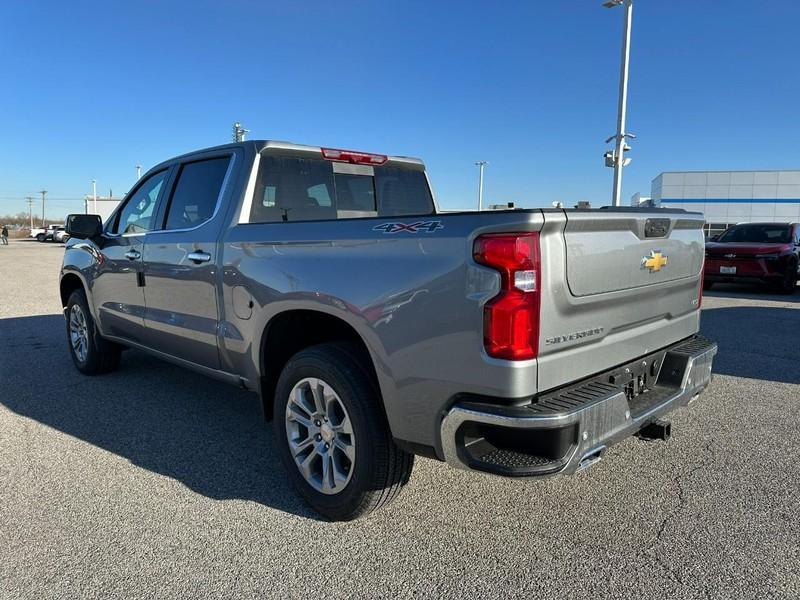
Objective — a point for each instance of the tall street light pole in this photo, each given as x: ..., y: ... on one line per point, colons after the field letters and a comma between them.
x: 94, y: 195
x: 138, y: 172
x: 43, y: 193
x: 619, y: 161
x: 29, y: 200
x: 481, y: 165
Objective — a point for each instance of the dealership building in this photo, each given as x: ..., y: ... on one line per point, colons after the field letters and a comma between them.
x: 730, y: 197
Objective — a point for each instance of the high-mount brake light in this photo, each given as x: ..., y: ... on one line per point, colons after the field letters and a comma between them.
x: 511, y: 319
x: 351, y: 156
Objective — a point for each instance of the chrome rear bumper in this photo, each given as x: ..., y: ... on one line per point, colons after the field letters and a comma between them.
x: 565, y: 430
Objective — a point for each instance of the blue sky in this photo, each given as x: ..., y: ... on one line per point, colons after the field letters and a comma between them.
x: 89, y: 90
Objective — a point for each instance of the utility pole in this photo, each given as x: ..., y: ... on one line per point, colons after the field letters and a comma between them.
x: 94, y: 195
x: 481, y: 165
x: 29, y: 200
x: 43, y: 193
x: 239, y: 132
x: 138, y: 172
x: 618, y: 160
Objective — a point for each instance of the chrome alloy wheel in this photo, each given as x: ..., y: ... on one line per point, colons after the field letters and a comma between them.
x: 78, y: 332
x: 320, y: 435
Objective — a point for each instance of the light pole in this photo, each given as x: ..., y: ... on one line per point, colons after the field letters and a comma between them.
x: 618, y: 160
x: 238, y: 132
x: 481, y: 165
x: 94, y: 195
x: 29, y: 200
x: 43, y: 193
x: 138, y: 172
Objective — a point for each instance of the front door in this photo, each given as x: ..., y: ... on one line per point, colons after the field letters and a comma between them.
x: 116, y: 288
x: 180, y: 265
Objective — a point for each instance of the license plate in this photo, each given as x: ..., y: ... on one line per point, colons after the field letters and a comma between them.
x: 727, y: 270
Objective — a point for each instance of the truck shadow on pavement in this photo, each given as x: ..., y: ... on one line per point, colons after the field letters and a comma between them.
x: 208, y: 435
x: 212, y: 437
x: 756, y: 342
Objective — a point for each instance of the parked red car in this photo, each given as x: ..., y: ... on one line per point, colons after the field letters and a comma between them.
x: 755, y: 252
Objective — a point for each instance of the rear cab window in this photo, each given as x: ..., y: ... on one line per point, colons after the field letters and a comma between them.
x: 301, y: 188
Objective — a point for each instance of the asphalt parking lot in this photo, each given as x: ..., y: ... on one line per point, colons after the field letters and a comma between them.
x: 157, y: 482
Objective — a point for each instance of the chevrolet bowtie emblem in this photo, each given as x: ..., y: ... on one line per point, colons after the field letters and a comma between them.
x: 655, y: 262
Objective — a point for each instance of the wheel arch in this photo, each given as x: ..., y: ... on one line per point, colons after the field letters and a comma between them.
x: 289, y: 332
x: 68, y: 284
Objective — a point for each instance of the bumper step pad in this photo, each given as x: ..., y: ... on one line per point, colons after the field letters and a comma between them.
x: 557, y: 431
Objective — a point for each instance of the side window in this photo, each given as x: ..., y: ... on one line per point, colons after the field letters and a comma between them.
x: 138, y: 214
x: 196, y: 193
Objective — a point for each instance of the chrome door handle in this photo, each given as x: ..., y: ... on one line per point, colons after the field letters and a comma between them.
x: 133, y: 255
x: 198, y: 256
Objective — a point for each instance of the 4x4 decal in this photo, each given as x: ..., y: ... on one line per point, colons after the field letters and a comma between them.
x: 426, y: 226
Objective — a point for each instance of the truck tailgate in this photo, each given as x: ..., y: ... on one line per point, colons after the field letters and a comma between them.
x: 613, y: 251
x: 616, y: 284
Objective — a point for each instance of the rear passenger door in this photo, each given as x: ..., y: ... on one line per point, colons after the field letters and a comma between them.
x: 180, y: 262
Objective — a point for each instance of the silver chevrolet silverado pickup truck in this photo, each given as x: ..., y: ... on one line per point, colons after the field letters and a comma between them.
x: 374, y: 327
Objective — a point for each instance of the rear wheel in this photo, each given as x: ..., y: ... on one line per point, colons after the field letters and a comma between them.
x: 91, y: 353
x: 40, y: 237
x: 332, y: 434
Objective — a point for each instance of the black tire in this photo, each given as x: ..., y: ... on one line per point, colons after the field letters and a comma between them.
x: 101, y: 356
x: 380, y: 468
x: 788, y: 283
x: 707, y: 285
x: 40, y: 237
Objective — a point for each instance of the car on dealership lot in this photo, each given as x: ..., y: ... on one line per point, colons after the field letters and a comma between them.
x: 375, y: 327
x: 38, y: 233
x: 52, y: 231
x: 766, y: 253
x: 47, y: 234
x: 60, y: 235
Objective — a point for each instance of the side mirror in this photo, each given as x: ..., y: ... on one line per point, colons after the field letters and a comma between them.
x: 84, y: 226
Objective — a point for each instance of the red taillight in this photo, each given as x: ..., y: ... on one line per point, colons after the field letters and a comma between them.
x: 511, y: 319
x: 352, y: 156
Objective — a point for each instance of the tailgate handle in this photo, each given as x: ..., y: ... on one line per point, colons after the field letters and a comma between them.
x: 655, y: 228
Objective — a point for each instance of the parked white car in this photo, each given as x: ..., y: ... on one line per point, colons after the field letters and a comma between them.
x: 38, y: 233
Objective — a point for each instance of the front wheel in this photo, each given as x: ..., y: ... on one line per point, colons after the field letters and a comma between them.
x: 91, y: 353
x: 40, y: 237
x: 788, y: 283
x: 332, y: 434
